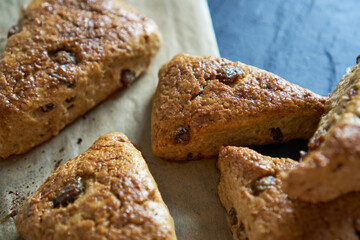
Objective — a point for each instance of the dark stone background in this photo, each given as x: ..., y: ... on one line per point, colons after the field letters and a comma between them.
x: 307, y: 42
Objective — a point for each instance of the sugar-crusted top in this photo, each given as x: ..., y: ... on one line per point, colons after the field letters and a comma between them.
x: 105, y: 192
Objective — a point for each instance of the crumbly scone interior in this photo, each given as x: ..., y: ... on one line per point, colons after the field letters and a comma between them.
x: 327, y: 171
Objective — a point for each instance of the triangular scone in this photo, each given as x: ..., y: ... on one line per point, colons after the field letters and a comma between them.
x: 258, y: 209
x: 106, y: 192
x: 64, y: 57
x: 203, y: 103
x: 332, y: 165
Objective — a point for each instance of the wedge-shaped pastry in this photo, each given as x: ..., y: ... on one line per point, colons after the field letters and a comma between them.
x: 64, y: 57
x: 106, y: 192
x: 258, y: 209
x: 203, y: 103
x: 332, y: 165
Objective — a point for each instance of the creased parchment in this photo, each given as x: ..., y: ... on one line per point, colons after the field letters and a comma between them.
x: 189, y: 189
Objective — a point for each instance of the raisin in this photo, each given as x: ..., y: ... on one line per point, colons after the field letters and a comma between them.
x: 262, y: 184
x: 127, y: 77
x: 68, y: 194
x: 12, y: 31
x: 229, y: 74
x: 146, y: 38
x: 241, y: 232
x: 70, y: 99
x: 182, y: 135
x: 64, y: 57
x: 232, y: 216
x: 276, y: 134
x: 48, y: 107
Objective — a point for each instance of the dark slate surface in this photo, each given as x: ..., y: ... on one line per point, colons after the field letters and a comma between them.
x: 307, y: 42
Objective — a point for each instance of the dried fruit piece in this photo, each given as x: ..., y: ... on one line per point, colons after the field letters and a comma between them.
x: 127, y: 77
x: 229, y: 73
x: 70, y: 99
x: 276, y: 134
x: 182, y: 135
x: 69, y: 193
x: 48, y: 107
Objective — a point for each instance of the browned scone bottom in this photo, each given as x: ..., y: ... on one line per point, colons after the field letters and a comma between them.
x: 250, y: 189
x: 106, y: 192
x: 203, y: 103
x: 331, y: 167
x: 64, y: 57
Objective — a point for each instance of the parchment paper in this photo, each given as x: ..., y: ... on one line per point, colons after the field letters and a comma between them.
x: 189, y: 189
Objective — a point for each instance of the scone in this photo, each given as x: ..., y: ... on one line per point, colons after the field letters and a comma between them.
x: 203, y: 103
x: 332, y: 166
x: 106, y: 192
x: 258, y: 208
x: 61, y: 59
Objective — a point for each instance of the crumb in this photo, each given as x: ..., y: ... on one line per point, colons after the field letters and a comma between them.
x: 62, y: 149
x: 13, y: 213
x: 85, y: 116
x: 79, y: 141
x: 57, y: 164
x: 10, y: 215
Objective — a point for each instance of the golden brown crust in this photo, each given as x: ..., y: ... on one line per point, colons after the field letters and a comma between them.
x: 62, y: 58
x: 203, y: 103
x: 330, y: 168
x: 106, y: 192
x: 250, y: 189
